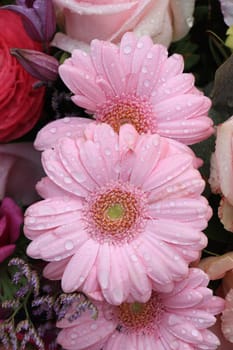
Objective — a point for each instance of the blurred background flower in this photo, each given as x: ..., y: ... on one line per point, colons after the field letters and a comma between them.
x: 163, y: 20
x: 20, y: 102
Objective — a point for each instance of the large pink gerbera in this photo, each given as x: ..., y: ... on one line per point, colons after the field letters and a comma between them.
x: 177, y: 320
x: 137, y: 83
x: 123, y: 213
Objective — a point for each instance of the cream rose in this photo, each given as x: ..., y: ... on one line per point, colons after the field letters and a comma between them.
x: 221, y: 172
x: 163, y: 20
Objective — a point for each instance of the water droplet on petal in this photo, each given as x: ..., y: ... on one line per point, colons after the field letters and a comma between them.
x: 69, y: 245
x: 68, y: 180
x: 127, y: 50
x: 189, y: 21
x: 140, y: 45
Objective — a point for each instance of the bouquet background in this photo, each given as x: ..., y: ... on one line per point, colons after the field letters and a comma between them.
x: 109, y: 182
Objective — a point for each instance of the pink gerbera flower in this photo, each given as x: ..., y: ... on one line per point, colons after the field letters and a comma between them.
x: 175, y: 320
x: 137, y: 83
x: 122, y: 213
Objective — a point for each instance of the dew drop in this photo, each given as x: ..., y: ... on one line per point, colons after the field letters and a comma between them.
x: 53, y: 130
x: 94, y: 326
x: 127, y: 50
x: 189, y: 21
x: 146, y: 83
x: 139, y: 45
x: 107, y: 152
x: 69, y: 245
x: 67, y: 180
x: 31, y: 220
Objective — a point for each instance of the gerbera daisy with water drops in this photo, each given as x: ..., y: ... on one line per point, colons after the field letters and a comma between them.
x: 122, y: 213
x: 178, y: 320
x: 138, y: 83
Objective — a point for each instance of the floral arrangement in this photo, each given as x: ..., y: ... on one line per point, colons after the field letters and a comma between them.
x: 116, y: 164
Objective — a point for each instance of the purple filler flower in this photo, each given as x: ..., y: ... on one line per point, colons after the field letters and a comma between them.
x: 38, y: 18
x: 11, y: 217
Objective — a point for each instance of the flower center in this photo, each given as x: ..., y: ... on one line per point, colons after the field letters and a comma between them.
x: 116, y: 211
x: 140, y: 317
x: 115, y: 214
x: 127, y: 109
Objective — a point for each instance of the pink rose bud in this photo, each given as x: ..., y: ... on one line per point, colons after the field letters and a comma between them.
x: 40, y: 65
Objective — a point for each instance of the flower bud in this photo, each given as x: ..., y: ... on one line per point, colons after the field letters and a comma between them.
x: 40, y: 65
x: 38, y: 17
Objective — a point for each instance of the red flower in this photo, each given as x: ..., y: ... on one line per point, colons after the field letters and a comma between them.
x: 20, y: 102
x: 11, y: 217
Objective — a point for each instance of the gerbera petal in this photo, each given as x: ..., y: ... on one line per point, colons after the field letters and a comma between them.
x: 46, y: 188
x: 79, y: 266
x: 179, y: 84
x: 187, y: 210
x: 55, y: 269
x: 58, y: 244
x: 186, y: 332
x: 79, y: 82
x: 181, y: 108
x: 84, y: 102
x: 187, y: 132
x: 147, y: 251
x: 173, y: 66
x: 149, y: 75
x: 82, y: 58
x: 48, y: 136
x: 126, y: 51
x: 167, y: 169
x: 136, y: 272
x: 59, y: 175
x: 147, y: 154
x: 113, y: 69
x: 70, y: 157
x: 118, y: 287
x: 87, y: 334
x: 209, y: 340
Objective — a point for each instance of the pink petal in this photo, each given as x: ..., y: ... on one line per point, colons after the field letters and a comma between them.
x: 136, y: 272
x: 59, y: 175
x: 182, y: 108
x: 46, y: 188
x: 113, y: 69
x: 127, y: 47
x: 69, y: 153
x: 147, y: 152
x: 149, y: 74
x: 173, y: 66
x: 177, y: 85
x: 79, y: 266
x: 79, y: 82
x: 54, y: 270
x: 48, y: 136
x: 180, y: 209
x: 118, y: 285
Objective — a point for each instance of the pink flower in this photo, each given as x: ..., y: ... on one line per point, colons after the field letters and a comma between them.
x: 137, y: 83
x: 11, y: 218
x: 108, y: 20
x: 20, y: 170
x: 175, y: 320
x: 221, y: 174
x: 118, y: 209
